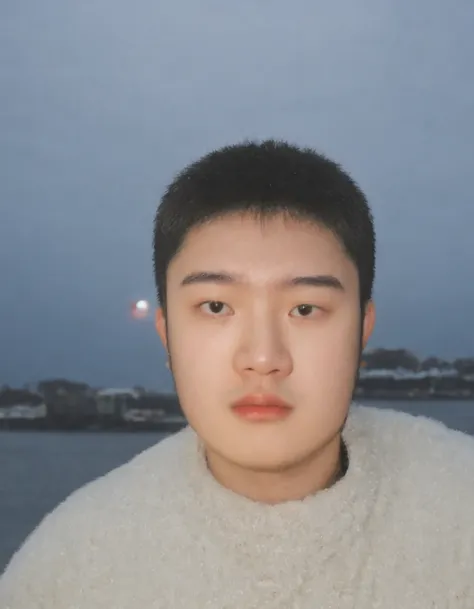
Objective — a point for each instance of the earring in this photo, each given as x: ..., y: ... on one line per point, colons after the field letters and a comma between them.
x: 167, y: 364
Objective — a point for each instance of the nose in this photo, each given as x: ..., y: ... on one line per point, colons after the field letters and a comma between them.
x: 263, y: 350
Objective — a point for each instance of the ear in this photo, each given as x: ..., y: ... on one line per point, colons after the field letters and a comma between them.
x: 369, y: 323
x: 160, y: 325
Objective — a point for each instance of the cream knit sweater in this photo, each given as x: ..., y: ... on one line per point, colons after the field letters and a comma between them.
x: 397, y: 532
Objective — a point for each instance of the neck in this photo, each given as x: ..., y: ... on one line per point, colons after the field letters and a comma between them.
x: 294, y: 482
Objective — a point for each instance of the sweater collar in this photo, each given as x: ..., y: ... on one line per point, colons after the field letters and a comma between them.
x: 319, y: 525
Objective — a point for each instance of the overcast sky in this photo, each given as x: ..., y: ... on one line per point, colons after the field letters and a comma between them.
x: 103, y: 101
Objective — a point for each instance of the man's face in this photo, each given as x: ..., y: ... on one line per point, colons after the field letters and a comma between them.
x: 252, y: 334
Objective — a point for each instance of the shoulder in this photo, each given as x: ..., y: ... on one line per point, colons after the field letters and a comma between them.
x: 421, y: 442
x: 104, y: 518
x: 423, y: 452
x: 424, y: 512
x: 141, y: 484
x: 427, y: 472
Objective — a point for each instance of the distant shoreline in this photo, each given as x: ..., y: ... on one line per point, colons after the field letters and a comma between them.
x: 91, y: 426
x: 176, y: 423
x: 415, y: 398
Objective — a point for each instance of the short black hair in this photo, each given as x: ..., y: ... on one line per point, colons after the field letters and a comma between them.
x: 266, y: 179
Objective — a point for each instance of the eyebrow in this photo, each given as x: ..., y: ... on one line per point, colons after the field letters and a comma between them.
x: 315, y: 281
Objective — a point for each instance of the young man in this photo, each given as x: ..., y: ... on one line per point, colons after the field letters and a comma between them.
x: 278, y: 494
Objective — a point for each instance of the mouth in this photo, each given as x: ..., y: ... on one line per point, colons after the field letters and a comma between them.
x: 262, y: 407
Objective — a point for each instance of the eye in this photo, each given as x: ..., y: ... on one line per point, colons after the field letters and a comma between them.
x: 215, y: 308
x: 304, y: 310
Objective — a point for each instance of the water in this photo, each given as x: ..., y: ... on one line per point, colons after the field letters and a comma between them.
x: 40, y: 469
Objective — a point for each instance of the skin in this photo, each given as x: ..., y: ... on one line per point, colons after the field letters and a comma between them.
x: 261, y: 340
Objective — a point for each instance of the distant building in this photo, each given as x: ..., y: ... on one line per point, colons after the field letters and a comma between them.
x: 68, y: 401
x: 19, y: 404
x: 115, y: 403
x: 403, y: 374
x: 23, y: 412
x: 401, y: 383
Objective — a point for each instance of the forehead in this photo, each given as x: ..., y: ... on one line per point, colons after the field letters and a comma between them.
x: 263, y: 249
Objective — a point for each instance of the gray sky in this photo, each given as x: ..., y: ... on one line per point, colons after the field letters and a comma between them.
x: 102, y: 102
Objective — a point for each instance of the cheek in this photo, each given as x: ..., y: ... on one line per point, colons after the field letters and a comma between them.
x: 200, y: 347
x: 200, y: 366
x: 325, y: 365
x: 335, y: 343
